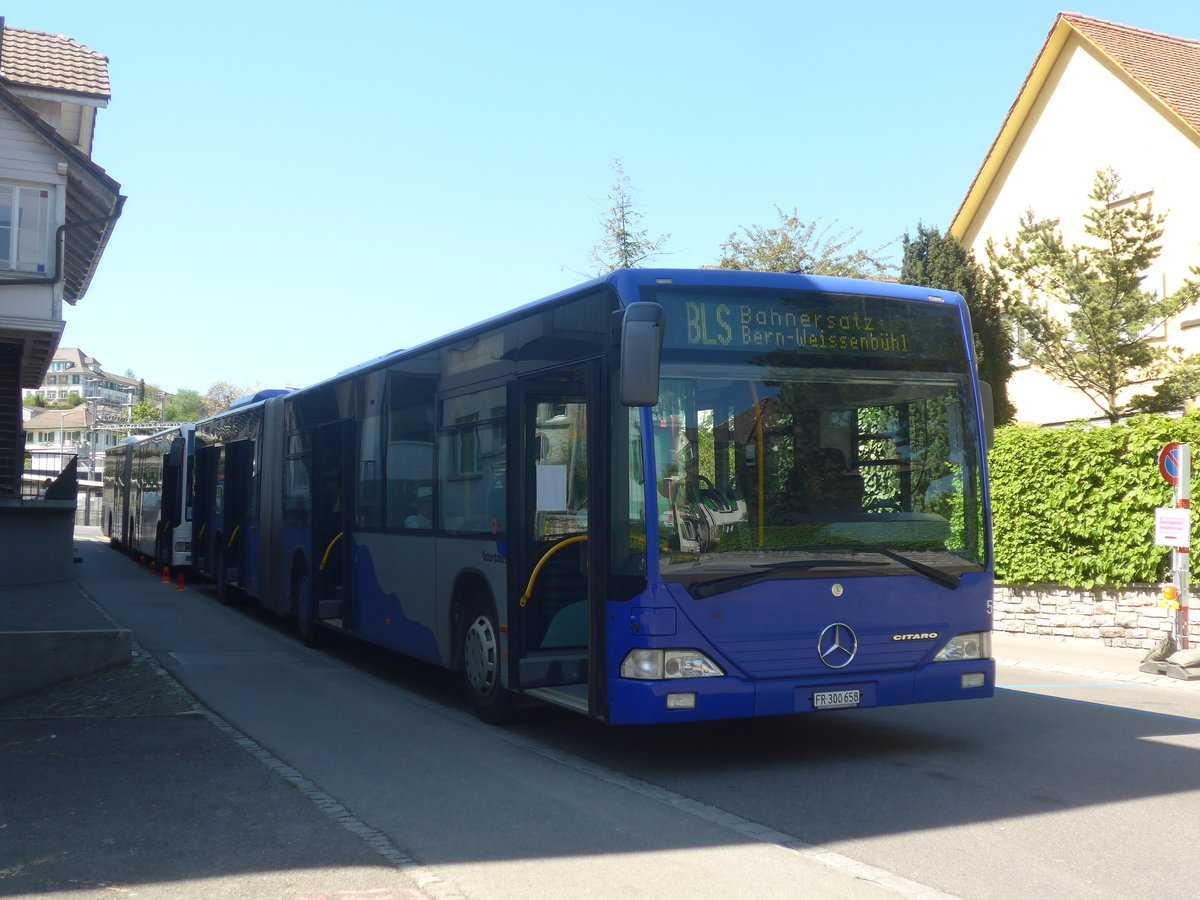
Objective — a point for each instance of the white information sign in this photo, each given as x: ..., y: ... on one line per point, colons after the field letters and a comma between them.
x: 551, y: 488
x: 1172, y: 527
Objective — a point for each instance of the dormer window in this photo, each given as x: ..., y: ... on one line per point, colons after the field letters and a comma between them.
x: 24, y: 229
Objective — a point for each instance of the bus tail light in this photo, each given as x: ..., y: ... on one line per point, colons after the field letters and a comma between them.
x: 972, y: 645
x: 659, y: 665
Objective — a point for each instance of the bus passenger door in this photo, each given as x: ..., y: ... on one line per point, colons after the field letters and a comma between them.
x: 239, y: 467
x: 205, y: 509
x: 552, y: 548
x: 332, y: 468
x: 172, y: 512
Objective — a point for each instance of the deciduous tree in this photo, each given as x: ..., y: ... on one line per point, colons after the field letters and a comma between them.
x: 221, y: 396
x: 145, y: 411
x: 810, y: 248
x: 186, y: 406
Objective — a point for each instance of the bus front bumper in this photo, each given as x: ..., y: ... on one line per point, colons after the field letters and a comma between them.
x: 633, y: 702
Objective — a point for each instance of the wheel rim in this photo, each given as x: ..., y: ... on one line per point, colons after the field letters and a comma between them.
x: 479, y: 656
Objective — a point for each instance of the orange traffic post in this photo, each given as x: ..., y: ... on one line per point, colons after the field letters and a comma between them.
x: 166, y: 575
x: 179, y: 582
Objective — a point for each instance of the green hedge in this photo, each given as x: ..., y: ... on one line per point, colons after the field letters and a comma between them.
x: 1075, y: 505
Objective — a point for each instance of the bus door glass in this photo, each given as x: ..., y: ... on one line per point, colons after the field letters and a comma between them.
x: 550, y: 544
x: 172, y: 493
x: 239, y: 467
x: 205, y: 508
x: 332, y: 484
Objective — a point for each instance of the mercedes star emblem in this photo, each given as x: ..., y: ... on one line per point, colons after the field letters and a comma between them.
x: 837, y: 645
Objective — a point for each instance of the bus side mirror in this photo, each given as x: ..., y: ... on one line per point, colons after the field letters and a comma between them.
x: 641, y: 350
x: 989, y: 415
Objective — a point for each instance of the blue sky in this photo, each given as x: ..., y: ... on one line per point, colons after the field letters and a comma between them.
x: 313, y: 185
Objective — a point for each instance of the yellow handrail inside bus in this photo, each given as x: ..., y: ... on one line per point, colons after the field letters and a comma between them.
x: 328, y: 550
x: 233, y: 537
x: 202, y: 529
x: 541, y: 562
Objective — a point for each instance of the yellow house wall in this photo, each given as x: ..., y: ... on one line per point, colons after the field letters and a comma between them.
x: 1091, y: 116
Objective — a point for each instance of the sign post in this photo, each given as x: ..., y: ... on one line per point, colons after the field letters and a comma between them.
x: 1180, y: 555
x: 1172, y: 528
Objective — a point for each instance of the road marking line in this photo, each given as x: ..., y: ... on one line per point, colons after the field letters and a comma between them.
x: 1123, y: 678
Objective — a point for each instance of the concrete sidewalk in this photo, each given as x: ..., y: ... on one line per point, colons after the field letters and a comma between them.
x: 119, y: 783
x: 112, y: 778
x: 1077, y: 658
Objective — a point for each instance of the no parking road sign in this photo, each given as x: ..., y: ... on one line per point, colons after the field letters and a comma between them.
x: 1170, y: 462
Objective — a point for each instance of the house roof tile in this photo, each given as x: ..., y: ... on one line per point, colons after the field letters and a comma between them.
x: 1166, y: 67
x: 52, y: 62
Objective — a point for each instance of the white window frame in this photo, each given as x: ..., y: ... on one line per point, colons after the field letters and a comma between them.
x: 18, y: 256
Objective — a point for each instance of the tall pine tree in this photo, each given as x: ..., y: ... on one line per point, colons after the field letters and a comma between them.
x: 1085, y: 315
x: 624, y: 245
x: 939, y: 261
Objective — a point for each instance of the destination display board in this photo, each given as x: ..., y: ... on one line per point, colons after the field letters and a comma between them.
x: 813, y: 325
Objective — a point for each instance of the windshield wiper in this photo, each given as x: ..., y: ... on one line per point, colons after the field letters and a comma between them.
x: 701, y: 589
x: 945, y: 579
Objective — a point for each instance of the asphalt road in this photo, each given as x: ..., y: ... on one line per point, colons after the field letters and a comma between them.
x: 1060, y: 786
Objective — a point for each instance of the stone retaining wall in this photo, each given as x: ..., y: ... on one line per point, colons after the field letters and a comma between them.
x: 1126, y: 617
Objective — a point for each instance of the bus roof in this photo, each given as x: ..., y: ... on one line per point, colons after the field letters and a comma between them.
x: 627, y: 282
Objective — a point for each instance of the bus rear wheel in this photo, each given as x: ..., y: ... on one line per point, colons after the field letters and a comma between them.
x: 481, y: 664
x: 310, y: 630
x: 225, y: 595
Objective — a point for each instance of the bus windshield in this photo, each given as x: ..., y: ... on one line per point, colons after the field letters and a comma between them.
x: 806, y: 460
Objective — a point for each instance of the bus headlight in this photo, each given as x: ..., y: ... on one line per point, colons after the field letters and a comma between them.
x: 659, y: 665
x: 973, y: 645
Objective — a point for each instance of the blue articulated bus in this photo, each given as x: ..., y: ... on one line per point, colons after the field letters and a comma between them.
x: 660, y: 496
x: 146, y: 504
x: 233, y: 504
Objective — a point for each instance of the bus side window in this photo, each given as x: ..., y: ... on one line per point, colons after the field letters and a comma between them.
x: 408, y: 463
x: 297, y: 498
x: 473, y: 448
x: 369, y: 487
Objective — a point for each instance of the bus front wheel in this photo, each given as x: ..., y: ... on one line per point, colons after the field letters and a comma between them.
x: 481, y: 664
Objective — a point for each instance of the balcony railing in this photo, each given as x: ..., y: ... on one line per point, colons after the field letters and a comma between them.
x: 42, y: 482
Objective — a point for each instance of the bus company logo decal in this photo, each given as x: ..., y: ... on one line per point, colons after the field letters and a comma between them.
x: 916, y: 636
x: 837, y: 645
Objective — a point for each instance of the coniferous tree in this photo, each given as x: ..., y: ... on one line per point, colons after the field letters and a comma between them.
x: 939, y: 261
x: 624, y: 245
x: 1085, y: 318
